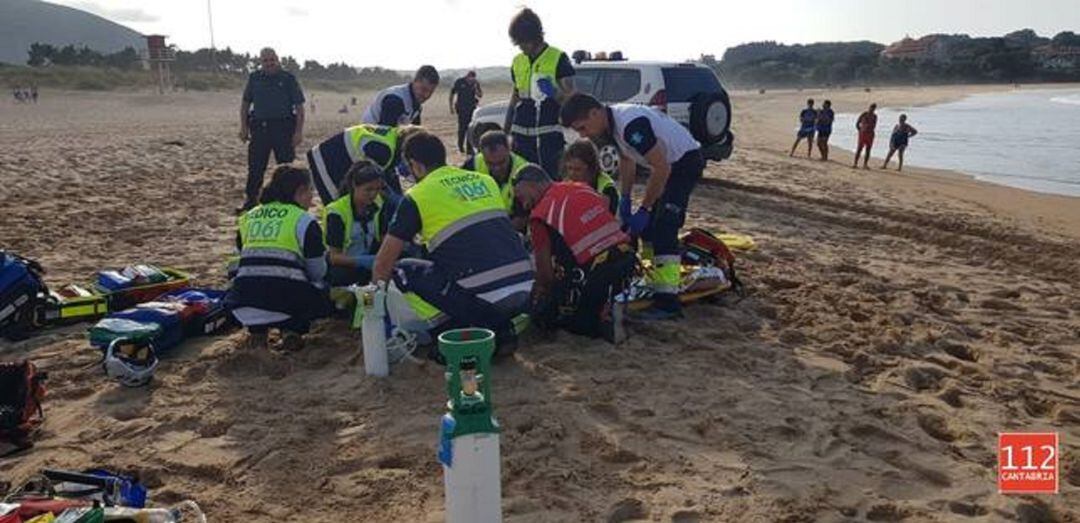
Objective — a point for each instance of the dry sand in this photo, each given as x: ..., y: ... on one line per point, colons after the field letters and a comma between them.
x: 897, y: 324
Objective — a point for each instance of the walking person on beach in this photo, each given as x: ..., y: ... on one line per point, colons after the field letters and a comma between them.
x: 866, y: 124
x: 807, y: 119
x: 898, y: 141
x: 33, y: 93
x: 271, y: 119
x: 823, y: 126
x: 468, y: 92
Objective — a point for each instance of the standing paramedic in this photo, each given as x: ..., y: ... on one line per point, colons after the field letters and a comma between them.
x: 648, y: 138
x: 543, y: 77
x: 271, y: 119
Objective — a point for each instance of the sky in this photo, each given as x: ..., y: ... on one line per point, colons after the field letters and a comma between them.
x: 473, y: 33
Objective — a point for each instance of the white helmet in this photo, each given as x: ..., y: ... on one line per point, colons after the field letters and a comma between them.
x: 130, y: 362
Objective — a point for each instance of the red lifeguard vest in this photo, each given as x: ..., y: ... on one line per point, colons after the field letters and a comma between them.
x: 581, y: 216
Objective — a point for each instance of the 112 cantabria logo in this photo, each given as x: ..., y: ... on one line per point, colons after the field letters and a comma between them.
x: 1027, y: 463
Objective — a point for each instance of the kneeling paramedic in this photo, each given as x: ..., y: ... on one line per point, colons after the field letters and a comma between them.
x: 279, y: 282
x: 648, y: 138
x: 583, y: 258
x: 333, y: 157
x: 356, y: 223
x: 477, y: 272
x: 495, y: 159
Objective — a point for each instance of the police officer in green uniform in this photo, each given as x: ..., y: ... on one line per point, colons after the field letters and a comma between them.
x: 542, y: 77
x: 356, y: 223
x: 476, y: 271
x: 496, y: 160
x: 271, y: 119
x: 279, y: 283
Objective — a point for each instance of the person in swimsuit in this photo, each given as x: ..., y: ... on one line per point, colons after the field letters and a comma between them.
x: 823, y: 126
x: 866, y: 124
x: 807, y: 118
x: 898, y: 142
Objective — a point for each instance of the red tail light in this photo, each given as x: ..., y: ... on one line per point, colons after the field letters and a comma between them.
x: 659, y: 100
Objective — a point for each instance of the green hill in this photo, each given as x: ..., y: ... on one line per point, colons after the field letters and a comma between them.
x: 23, y: 22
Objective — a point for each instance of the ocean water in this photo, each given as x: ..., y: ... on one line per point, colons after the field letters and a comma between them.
x: 1028, y: 139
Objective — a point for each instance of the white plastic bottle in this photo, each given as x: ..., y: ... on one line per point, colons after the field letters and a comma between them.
x: 373, y: 327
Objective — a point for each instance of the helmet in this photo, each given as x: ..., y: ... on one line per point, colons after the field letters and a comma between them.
x: 130, y: 362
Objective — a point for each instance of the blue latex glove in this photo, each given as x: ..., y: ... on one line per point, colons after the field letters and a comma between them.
x: 639, y: 221
x: 624, y: 209
x: 365, y: 261
x: 403, y: 171
x: 546, y: 86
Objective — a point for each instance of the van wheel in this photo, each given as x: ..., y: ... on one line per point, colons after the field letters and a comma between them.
x: 710, y: 117
x: 609, y: 159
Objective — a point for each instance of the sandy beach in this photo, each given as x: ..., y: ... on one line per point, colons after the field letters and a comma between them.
x: 896, y: 324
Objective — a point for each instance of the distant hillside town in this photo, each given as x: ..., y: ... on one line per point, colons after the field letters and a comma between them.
x: 1020, y: 56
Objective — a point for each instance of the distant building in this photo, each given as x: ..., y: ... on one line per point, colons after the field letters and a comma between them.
x: 935, y: 48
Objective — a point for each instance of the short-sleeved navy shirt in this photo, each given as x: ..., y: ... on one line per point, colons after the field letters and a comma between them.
x: 273, y: 96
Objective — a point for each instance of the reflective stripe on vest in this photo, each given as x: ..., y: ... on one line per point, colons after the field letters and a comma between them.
x: 343, y: 208
x: 528, y: 72
x: 450, y: 200
x: 535, y: 131
x: 358, y: 136
x: 505, y: 189
x: 271, y: 226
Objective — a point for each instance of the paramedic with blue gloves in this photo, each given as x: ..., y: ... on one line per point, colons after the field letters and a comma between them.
x: 356, y: 223
x: 649, y: 138
x: 542, y: 77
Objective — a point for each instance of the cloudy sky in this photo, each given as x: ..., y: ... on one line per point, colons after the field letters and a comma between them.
x: 468, y: 33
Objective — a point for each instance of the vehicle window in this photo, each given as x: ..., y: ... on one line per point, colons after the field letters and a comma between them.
x: 683, y: 83
x: 587, y: 81
x: 620, y: 85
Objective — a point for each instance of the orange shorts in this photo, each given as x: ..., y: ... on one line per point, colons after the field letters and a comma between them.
x: 866, y: 139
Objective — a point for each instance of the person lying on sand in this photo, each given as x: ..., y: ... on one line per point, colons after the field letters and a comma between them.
x: 807, y: 119
x: 899, y: 141
x: 594, y: 258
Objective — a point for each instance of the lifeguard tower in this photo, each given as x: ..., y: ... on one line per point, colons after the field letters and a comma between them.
x: 160, y: 57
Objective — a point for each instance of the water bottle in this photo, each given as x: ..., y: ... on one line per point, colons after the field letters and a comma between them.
x: 373, y: 301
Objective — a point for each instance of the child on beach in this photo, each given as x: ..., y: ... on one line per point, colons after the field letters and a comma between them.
x: 898, y: 142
